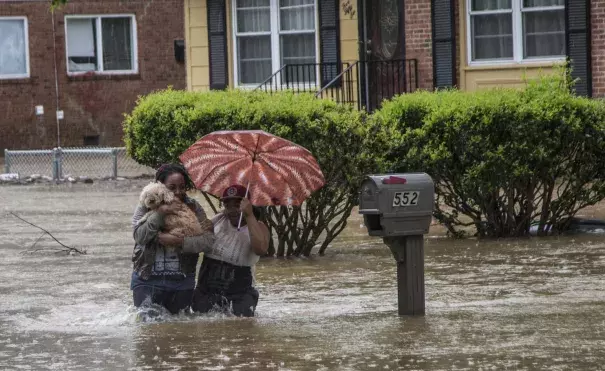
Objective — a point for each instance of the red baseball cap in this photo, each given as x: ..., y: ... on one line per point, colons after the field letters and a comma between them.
x: 235, y: 191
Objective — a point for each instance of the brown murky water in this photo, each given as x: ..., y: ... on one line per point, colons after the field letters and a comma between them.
x: 536, y: 304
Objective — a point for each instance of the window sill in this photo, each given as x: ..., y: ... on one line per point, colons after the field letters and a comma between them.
x: 272, y: 87
x: 16, y: 80
x: 513, y: 65
x: 103, y: 76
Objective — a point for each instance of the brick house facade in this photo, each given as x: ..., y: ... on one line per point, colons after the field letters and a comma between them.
x: 329, y: 33
x: 94, y: 102
x: 436, y: 35
x: 97, y: 91
x: 581, y: 24
x: 419, y: 35
x: 597, y: 30
x: 418, y: 39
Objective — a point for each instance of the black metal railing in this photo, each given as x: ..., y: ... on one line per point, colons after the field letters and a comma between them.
x: 303, y: 77
x: 363, y: 84
x: 344, y: 88
x: 383, y: 80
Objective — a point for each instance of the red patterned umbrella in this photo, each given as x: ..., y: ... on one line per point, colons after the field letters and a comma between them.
x: 276, y: 171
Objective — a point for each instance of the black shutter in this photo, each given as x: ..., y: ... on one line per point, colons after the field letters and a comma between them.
x: 217, y: 44
x: 577, y: 37
x: 329, y: 36
x: 444, y: 43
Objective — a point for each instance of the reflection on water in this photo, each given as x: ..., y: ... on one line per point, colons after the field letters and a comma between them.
x: 534, y: 304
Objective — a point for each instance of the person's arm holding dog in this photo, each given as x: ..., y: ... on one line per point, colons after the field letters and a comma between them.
x: 145, y: 231
x: 193, y: 244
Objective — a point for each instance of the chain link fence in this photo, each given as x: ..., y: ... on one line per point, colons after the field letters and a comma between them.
x: 62, y: 163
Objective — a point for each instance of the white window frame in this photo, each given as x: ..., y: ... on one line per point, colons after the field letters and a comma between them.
x: 275, y: 47
x: 25, y: 75
x: 99, y: 42
x: 517, y: 11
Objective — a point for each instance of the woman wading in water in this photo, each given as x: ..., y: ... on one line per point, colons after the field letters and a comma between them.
x: 225, y: 280
x: 164, y: 264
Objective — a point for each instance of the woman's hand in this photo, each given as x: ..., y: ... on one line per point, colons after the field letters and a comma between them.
x: 167, y: 239
x: 246, y: 207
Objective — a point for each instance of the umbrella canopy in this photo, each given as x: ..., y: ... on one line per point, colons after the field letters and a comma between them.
x: 277, y: 171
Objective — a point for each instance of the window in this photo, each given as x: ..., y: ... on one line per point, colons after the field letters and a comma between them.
x: 272, y: 33
x: 516, y: 30
x: 101, y: 44
x: 14, y: 48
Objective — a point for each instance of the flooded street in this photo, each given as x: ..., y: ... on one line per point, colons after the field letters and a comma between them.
x: 524, y: 304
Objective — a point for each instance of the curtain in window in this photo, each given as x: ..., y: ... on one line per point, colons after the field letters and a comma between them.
x: 297, y: 15
x: 254, y: 59
x: 12, y: 47
x: 297, y: 39
x: 482, y: 5
x: 544, y: 30
x: 534, y: 3
x: 492, y: 36
x: 544, y: 33
x: 81, y: 50
x: 117, y: 44
x: 254, y: 51
x: 253, y: 16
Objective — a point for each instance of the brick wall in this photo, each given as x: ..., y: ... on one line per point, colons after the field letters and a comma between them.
x: 418, y: 40
x: 598, y: 49
x: 95, y: 104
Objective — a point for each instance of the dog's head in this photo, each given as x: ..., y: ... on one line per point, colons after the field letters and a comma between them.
x: 155, y: 194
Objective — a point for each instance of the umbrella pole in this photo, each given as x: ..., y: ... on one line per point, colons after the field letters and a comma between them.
x: 241, y: 214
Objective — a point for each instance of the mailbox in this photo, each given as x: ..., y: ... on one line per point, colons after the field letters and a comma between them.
x: 399, y: 208
x: 397, y: 204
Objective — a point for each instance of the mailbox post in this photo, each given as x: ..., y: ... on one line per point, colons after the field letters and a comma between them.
x: 399, y: 208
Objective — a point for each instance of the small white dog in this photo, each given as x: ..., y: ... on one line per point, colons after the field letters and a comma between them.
x: 184, y: 222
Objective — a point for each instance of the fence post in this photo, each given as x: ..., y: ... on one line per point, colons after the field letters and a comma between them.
x: 57, y: 162
x: 7, y: 161
x: 114, y: 154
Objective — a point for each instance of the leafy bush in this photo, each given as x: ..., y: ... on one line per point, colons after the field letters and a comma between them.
x: 166, y: 123
x: 502, y: 159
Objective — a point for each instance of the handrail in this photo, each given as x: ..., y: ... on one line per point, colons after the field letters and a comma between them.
x: 270, y: 77
x: 339, y: 76
x: 363, y: 84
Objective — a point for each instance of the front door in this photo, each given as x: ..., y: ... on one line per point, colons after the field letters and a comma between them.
x: 383, y: 50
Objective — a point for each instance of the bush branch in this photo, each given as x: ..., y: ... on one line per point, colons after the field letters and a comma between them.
x: 69, y: 248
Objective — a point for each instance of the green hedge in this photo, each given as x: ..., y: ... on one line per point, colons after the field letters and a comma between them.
x: 166, y: 123
x: 502, y: 159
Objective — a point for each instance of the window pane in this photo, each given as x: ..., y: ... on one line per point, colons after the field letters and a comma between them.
x: 544, y: 34
x: 490, y: 4
x: 12, y: 47
x: 254, y: 59
x: 81, y: 46
x: 535, y: 3
x: 299, y: 50
x: 492, y: 36
x: 285, y: 3
x: 117, y: 44
x: 297, y: 15
x: 253, y: 3
x: 253, y: 16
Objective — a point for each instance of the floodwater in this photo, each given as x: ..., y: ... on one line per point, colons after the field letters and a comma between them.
x: 530, y: 304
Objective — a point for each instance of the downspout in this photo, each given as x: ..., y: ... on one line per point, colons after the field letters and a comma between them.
x: 56, y: 80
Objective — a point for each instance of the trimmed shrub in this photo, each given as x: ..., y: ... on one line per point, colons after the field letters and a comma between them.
x: 166, y: 123
x: 502, y: 159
